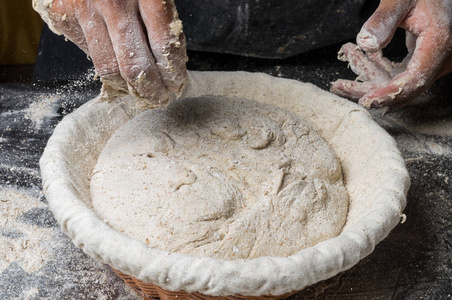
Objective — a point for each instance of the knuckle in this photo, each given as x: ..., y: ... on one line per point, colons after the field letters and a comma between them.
x: 58, y: 7
x: 131, y: 71
x: 108, y: 71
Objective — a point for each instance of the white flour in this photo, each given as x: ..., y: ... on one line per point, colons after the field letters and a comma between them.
x: 21, y: 243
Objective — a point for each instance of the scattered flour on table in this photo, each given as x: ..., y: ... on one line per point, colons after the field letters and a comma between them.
x: 221, y: 177
x: 42, y: 108
x: 31, y: 293
x: 436, y: 127
x: 21, y: 243
x: 52, y: 267
x: 47, y: 105
x: 425, y: 136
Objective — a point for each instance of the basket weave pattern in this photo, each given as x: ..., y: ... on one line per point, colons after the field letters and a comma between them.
x: 151, y: 291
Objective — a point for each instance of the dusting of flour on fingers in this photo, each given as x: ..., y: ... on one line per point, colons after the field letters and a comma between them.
x: 137, y: 46
x: 429, y: 44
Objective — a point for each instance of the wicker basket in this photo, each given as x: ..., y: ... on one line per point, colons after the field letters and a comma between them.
x: 151, y: 291
x: 374, y: 172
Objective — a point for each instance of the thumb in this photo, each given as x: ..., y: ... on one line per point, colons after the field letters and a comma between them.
x: 379, y: 29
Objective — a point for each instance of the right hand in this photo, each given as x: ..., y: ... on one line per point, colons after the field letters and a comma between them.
x: 137, y: 46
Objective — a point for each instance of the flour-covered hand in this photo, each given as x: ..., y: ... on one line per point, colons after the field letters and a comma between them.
x: 380, y: 82
x: 137, y: 46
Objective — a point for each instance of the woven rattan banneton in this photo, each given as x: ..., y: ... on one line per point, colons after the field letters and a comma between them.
x: 151, y: 291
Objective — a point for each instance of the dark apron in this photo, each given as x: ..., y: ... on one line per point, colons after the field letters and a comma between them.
x: 258, y: 28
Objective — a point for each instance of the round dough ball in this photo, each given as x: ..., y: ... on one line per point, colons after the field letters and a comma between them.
x: 222, y: 177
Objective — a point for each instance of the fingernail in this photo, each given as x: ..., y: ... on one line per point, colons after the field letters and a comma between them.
x: 367, y: 41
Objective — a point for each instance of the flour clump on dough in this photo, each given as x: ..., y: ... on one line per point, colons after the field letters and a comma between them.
x: 221, y: 177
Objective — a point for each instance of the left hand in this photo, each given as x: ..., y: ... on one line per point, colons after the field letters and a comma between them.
x: 428, y: 24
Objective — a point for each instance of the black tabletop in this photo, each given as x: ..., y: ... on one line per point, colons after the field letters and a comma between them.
x: 37, y: 261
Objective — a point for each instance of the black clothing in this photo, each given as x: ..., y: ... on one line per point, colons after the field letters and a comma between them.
x: 258, y: 28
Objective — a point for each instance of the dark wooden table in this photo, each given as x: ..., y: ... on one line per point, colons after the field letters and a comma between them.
x: 40, y: 262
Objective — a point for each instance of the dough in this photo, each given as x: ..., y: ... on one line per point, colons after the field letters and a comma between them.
x: 221, y: 177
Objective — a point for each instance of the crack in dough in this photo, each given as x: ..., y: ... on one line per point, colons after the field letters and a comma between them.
x: 221, y: 177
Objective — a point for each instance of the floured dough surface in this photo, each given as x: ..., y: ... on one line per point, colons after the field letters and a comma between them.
x: 222, y: 177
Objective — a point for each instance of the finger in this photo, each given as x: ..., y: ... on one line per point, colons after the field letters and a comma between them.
x: 379, y: 29
x: 135, y: 61
x: 431, y: 51
x: 352, y: 90
x: 101, y: 51
x: 68, y: 24
x: 167, y: 40
x: 361, y: 65
x: 389, y: 95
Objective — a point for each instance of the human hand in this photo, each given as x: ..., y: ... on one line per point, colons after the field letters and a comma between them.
x: 137, y: 46
x: 428, y: 25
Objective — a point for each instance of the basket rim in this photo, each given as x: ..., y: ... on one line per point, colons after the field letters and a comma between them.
x: 150, y: 290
